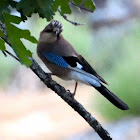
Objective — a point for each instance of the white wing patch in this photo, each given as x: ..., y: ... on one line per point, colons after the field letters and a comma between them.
x: 79, y: 77
x: 79, y: 66
x: 82, y: 76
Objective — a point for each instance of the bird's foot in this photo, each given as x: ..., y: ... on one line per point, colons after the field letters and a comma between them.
x: 50, y: 74
x: 72, y: 94
x: 57, y: 27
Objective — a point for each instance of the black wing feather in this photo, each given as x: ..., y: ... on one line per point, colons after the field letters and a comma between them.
x: 72, y: 61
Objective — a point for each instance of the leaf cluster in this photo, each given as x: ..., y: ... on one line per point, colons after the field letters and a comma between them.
x: 44, y: 8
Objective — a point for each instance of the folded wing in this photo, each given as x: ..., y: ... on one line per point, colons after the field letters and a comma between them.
x: 74, y: 61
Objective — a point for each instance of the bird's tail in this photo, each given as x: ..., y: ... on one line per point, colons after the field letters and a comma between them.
x: 89, y: 79
x: 112, y: 98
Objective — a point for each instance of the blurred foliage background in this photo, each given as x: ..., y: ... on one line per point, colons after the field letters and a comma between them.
x: 113, y: 49
x: 118, y: 58
x: 113, y: 52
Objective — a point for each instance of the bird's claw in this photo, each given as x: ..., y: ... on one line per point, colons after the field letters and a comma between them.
x: 57, y: 27
x: 72, y: 94
x: 50, y: 74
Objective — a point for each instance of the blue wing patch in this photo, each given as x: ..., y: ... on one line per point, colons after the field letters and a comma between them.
x: 58, y: 60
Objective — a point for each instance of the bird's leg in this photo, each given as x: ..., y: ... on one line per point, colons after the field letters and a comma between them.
x: 76, y: 84
x: 73, y: 94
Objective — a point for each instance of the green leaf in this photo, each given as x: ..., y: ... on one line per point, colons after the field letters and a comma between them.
x: 64, y: 6
x: 13, y: 3
x: 1, y: 34
x: 27, y: 7
x: 78, y: 1
x: 11, y: 18
x: 4, y: 8
x: 27, y: 35
x: 43, y: 7
x: 14, y: 37
x: 2, y: 45
x: 90, y: 5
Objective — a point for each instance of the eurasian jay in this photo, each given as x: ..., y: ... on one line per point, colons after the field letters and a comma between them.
x: 63, y: 61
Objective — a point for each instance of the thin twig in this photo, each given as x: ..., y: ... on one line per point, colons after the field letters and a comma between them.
x: 81, y: 7
x: 6, y: 41
x: 12, y: 55
x: 4, y: 53
x: 72, y: 22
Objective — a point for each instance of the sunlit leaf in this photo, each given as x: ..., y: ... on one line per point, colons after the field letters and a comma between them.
x: 78, y: 1
x: 1, y: 34
x: 64, y: 6
x: 14, y: 37
x: 2, y: 45
x: 90, y: 5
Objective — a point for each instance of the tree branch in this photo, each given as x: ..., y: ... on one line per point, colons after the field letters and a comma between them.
x: 80, y: 6
x: 4, y: 53
x: 66, y: 96
x: 72, y: 22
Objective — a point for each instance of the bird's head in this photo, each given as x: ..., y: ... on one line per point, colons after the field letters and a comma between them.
x: 51, y: 32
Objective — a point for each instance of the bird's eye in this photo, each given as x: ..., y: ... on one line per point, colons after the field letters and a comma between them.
x: 48, y: 31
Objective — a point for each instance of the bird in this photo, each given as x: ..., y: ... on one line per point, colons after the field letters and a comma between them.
x: 65, y: 62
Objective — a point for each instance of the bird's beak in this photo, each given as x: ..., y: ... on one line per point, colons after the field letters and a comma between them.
x: 55, y: 32
x: 57, y: 27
